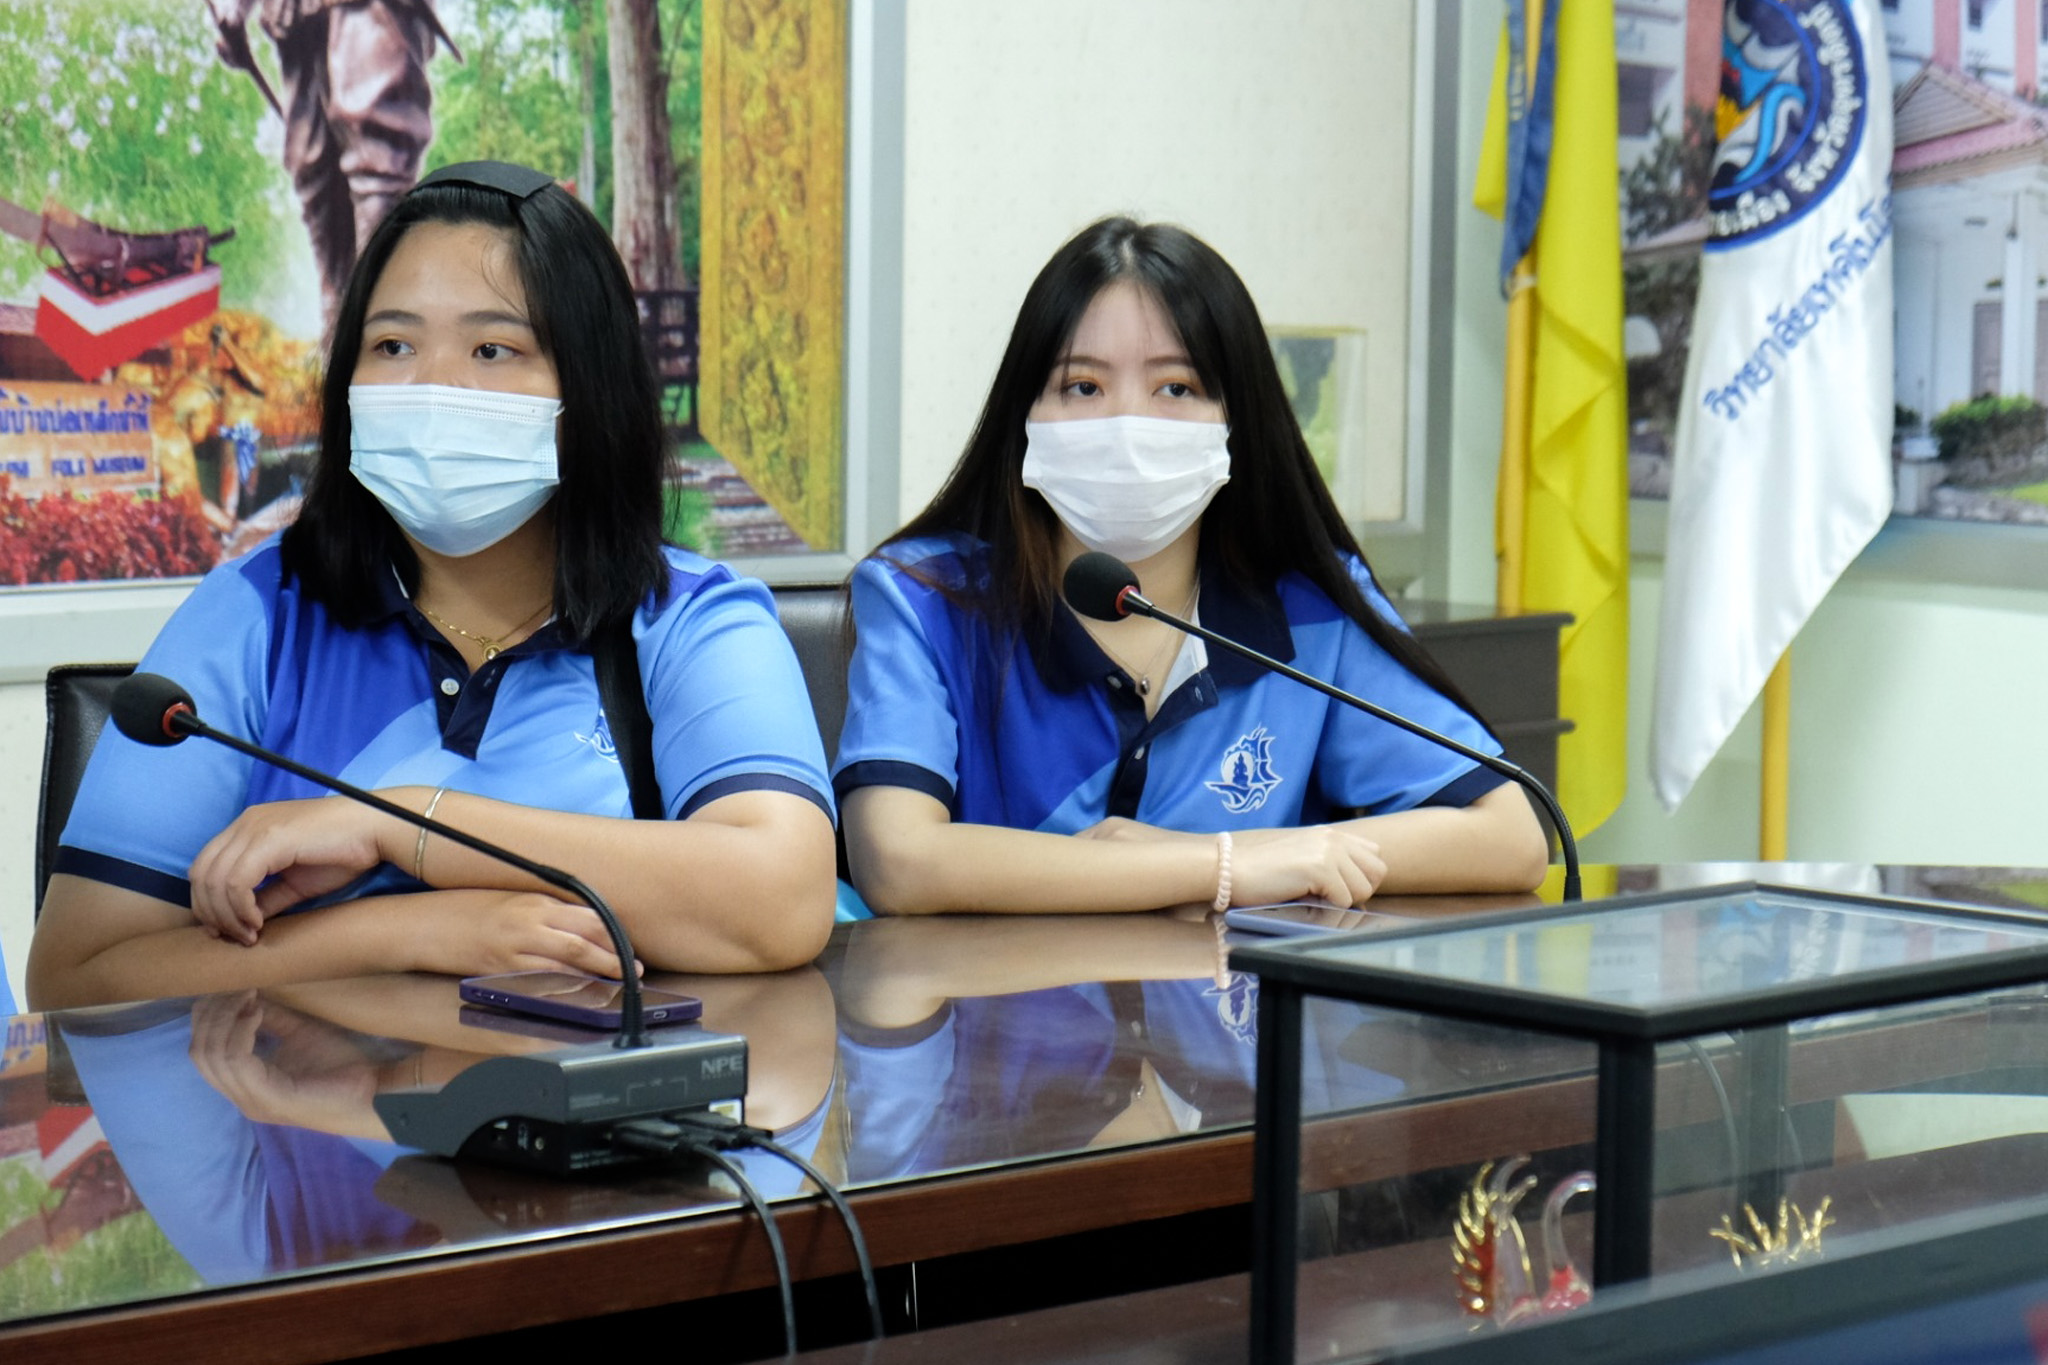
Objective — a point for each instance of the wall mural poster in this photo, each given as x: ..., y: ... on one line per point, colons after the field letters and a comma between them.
x: 73, y: 1232
x: 1970, y: 256
x: 183, y: 184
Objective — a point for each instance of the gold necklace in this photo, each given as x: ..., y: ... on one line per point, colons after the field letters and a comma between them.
x: 491, y: 646
x: 1159, y: 656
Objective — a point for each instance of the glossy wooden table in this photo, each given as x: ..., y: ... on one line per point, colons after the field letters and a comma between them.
x: 478, y: 1251
x: 1062, y: 1103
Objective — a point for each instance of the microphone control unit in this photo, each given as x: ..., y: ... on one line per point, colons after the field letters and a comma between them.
x: 557, y: 1111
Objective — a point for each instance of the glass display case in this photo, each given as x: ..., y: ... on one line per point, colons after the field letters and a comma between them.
x: 1722, y: 1078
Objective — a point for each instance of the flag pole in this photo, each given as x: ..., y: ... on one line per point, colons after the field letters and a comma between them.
x: 1777, y: 762
x: 1511, y: 506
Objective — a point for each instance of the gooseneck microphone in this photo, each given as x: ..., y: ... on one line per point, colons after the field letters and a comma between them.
x: 553, y: 1110
x: 1105, y: 588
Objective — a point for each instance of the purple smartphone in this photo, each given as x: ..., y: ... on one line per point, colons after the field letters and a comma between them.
x: 587, y: 1000
x: 1306, y: 918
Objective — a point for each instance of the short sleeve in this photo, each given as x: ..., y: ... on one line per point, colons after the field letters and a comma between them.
x: 1368, y: 765
x: 727, y: 698
x: 143, y: 813
x: 189, y: 1154
x: 901, y: 727
x: 896, y: 1083
x: 235, y: 1197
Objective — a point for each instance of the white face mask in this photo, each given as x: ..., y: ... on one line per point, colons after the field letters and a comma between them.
x: 459, y: 469
x: 1127, y: 486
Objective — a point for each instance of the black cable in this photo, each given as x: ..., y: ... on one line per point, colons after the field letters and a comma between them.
x: 1785, y: 1119
x: 665, y: 1137
x: 731, y: 1133
x: 1792, y: 1132
x: 760, y: 1206
x: 853, y: 1235
x: 1727, y: 1109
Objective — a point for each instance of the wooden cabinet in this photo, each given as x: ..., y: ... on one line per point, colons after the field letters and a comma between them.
x: 1507, y: 666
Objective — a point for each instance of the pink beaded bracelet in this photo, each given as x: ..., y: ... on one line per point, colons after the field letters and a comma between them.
x: 1222, y: 901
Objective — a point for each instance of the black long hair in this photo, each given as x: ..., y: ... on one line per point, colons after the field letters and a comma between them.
x: 1274, y: 517
x: 612, y: 449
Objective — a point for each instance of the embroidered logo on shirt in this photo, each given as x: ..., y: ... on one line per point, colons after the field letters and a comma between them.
x: 1237, y: 1006
x: 1248, y: 776
x: 600, y: 738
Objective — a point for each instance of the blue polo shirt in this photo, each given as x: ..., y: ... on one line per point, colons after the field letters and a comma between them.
x: 940, y: 703
x: 393, y: 704
x: 1055, y: 1066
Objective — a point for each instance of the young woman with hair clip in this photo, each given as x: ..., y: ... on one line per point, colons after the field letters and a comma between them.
x: 1002, y: 754
x: 485, y: 513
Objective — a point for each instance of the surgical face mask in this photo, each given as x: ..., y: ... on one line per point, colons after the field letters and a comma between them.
x: 1127, y: 486
x: 459, y: 469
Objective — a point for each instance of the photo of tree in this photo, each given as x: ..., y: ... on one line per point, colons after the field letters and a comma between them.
x: 184, y: 184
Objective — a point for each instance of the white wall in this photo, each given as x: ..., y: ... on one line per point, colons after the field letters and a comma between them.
x: 1280, y: 135
x: 21, y: 768
x: 1913, y: 734
x: 1479, y: 330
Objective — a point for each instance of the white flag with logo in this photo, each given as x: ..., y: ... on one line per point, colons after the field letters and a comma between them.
x: 1783, y: 468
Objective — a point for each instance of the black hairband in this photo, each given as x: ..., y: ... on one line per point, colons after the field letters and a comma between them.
x: 521, y: 182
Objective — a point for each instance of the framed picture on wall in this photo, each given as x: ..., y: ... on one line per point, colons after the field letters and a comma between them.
x: 170, y: 257
x: 1323, y: 370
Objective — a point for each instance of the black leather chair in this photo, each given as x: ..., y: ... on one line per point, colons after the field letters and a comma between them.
x: 77, y: 698
x: 814, y: 615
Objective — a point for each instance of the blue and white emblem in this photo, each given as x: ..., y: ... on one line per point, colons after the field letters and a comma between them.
x: 1790, y: 116
x: 1248, y: 776
x: 600, y: 738
x: 1237, y: 1006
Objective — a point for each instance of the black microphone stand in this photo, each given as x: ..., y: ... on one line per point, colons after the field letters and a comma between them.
x: 1129, y: 600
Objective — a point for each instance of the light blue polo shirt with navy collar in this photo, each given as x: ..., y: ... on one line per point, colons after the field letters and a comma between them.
x: 941, y: 703
x: 392, y: 704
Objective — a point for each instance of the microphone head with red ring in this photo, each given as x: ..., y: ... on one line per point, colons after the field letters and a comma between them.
x: 151, y: 709
x: 1100, y: 586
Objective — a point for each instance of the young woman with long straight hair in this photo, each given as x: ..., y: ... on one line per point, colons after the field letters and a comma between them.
x: 1002, y: 754
x: 486, y: 511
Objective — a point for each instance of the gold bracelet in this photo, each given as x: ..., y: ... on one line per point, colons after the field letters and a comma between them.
x: 419, y: 850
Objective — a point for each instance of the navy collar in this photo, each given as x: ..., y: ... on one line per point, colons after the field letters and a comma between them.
x: 392, y: 598
x: 1252, y: 617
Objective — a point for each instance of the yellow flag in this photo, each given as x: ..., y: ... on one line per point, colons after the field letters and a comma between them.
x: 1564, y: 535
x: 1490, y: 186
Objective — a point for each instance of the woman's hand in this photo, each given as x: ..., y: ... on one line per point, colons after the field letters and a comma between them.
x: 1274, y: 864
x: 96, y: 944
x: 482, y: 933
x: 759, y: 864
x: 276, y: 855
x: 312, y: 1077
x: 1333, y: 862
